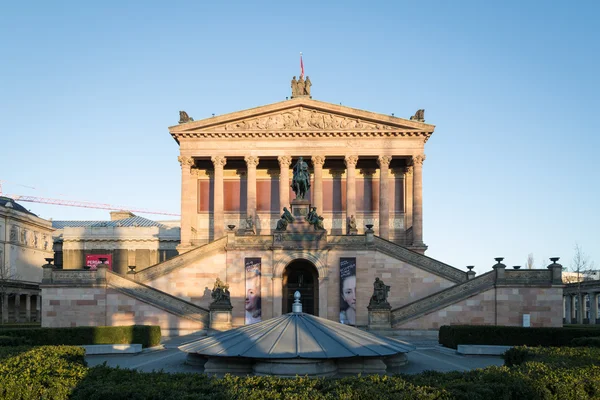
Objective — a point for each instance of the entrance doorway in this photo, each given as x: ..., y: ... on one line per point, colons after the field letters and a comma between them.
x: 302, y: 276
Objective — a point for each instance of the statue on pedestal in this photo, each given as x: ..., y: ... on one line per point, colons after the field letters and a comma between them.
x: 301, y: 178
x: 220, y: 294
x: 249, y: 224
x: 380, y: 294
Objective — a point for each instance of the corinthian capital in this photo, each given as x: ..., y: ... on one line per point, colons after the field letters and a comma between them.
x: 418, y: 159
x: 408, y: 170
x: 284, y: 161
x: 351, y: 160
x: 318, y: 160
x: 218, y: 161
x: 384, y: 161
x: 251, y: 161
x: 185, y: 161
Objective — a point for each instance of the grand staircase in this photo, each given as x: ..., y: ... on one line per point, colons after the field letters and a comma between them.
x: 443, y: 299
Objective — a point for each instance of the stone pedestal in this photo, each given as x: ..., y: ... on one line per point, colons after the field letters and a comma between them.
x: 300, y: 209
x: 220, y: 319
x: 352, y: 231
x: 380, y: 318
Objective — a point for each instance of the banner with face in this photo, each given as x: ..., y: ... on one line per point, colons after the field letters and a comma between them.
x: 348, y: 291
x: 253, y: 303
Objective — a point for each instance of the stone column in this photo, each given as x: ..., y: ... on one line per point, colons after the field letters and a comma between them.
x: 317, y: 198
x: 188, y: 194
x: 568, y: 308
x: 17, y: 307
x: 593, y: 307
x: 350, y: 161
x: 408, y: 197
x: 323, y: 284
x: 38, y: 308
x: 4, y: 308
x: 384, y: 200
x: 581, y: 308
x: 418, y: 200
x: 251, y: 163
x: 28, y: 308
x: 218, y: 199
x: 573, y: 309
x: 284, y: 182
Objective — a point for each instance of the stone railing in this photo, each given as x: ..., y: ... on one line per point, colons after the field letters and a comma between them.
x: 420, y: 260
x: 157, y: 298
x: 528, y: 277
x: 158, y: 270
x: 81, y: 277
x: 443, y: 299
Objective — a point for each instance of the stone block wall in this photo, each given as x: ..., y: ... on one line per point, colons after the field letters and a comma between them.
x: 498, y: 306
x: 407, y: 282
x: 71, y: 306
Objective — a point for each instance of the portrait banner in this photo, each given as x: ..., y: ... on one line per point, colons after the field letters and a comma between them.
x: 253, y: 301
x: 348, y: 291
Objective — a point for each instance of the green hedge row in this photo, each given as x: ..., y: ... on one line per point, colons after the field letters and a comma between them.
x: 60, y: 373
x: 147, y: 335
x: 453, y: 335
x: 21, y: 325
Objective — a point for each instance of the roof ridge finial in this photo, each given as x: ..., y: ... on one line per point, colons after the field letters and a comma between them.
x: 297, y: 306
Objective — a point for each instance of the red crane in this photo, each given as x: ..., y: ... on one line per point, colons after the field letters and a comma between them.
x: 84, y: 204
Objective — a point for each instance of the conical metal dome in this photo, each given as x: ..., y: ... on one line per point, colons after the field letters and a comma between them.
x: 297, y: 335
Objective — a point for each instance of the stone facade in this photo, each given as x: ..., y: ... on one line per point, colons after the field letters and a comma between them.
x: 129, y: 239
x: 238, y: 167
x: 25, y: 240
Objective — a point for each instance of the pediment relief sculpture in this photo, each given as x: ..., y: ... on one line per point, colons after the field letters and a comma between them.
x: 301, y: 118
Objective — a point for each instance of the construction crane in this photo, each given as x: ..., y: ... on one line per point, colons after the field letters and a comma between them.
x: 84, y: 204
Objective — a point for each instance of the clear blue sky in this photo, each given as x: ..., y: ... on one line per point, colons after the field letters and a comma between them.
x: 87, y: 93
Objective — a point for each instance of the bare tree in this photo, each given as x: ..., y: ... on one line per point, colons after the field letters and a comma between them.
x: 581, y: 269
x: 530, y: 261
x: 6, y: 277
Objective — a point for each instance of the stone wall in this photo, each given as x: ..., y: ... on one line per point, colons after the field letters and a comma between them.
x: 498, y: 306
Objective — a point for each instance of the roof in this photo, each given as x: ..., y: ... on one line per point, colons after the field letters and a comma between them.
x: 14, y: 205
x: 136, y: 221
x: 297, y: 335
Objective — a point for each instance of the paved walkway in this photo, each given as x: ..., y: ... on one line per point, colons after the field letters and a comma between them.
x: 428, y: 356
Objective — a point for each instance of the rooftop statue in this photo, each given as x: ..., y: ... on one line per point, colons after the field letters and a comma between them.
x: 184, y: 117
x: 314, y: 219
x: 301, y: 179
x: 419, y: 116
x: 301, y: 87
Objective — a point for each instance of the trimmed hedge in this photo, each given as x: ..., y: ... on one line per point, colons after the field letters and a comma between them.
x: 586, y: 342
x: 20, y: 325
x: 13, y: 341
x: 147, y: 335
x: 59, y: 373
x: 453, y: 335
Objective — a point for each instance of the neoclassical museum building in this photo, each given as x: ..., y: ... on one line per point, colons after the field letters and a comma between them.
x: 245, y: 220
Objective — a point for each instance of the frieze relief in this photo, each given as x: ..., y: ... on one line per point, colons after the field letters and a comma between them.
x: 301, y: 118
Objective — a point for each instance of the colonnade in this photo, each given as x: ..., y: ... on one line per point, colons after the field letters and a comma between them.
x: 413, y: 169
x: 11, y: 309
x: 576, y: 309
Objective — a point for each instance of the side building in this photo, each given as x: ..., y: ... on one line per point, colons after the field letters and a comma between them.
x: 25, y: 239
x: 127, y: 240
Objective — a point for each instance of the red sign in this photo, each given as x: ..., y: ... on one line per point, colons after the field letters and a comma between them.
x: 92, y: 260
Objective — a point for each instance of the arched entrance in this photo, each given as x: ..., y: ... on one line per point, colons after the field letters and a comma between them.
x: 301, y: 275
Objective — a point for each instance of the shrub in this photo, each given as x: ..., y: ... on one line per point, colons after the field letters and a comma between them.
x: 13, y: 341
x: 452, y: 336
x: 586, y: 342
x: 147, y: 335
x: 553, y: 356
x: 48, y: 372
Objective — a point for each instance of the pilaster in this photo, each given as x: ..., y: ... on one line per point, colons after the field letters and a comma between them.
x: 251, y: 163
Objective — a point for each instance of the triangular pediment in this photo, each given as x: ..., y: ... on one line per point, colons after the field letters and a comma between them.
x: 301, y: 115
